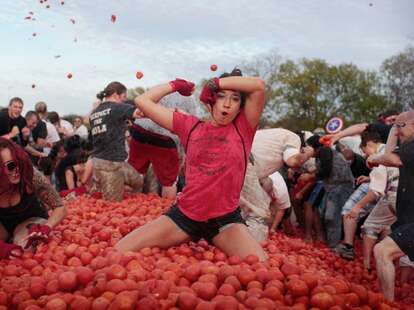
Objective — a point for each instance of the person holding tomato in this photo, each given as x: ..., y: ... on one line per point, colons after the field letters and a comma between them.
x: 217, y: 152
x: 25, y: 198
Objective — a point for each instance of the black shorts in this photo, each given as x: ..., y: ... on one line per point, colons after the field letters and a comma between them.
x: 10, y: 219
x: 207, y: 230
x: 404, y: 237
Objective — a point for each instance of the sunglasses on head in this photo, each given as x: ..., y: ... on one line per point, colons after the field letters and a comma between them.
x: 10, y: 165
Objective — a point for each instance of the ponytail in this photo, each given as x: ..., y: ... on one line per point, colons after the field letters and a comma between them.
x: 112, y: 88
x: 101, y: 95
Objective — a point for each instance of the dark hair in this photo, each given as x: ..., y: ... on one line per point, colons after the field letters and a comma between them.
x: 382, y: 116
x: 130, y: 102
x: 45, y: 164
x: 301, y: 135
x: 314, y: 142
x: 41, y: 107
x: 30, y: 114
x: 368, y: 136
x: 24, y: 164
x: 15, y: 99
x: 53, y: 117
x: 55, y: 149
x: 236, y: 72
x: 72, y: 143
x: 112, y: 88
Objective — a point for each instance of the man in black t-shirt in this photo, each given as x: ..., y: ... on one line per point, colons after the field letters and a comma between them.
x: 401, y: 241
x: 12, y: 124
x: 34, y: 148
x: 108, y: 127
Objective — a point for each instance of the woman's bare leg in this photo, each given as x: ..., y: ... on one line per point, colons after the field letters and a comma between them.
x: 162, y: 232
x: 4, y: 235
x: 236, y: 240
x: 368, y: 244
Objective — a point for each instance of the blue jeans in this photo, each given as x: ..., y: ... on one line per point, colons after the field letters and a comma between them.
x: 332, y: 204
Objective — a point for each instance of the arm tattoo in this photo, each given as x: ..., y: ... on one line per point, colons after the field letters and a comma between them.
x: 45, y: 192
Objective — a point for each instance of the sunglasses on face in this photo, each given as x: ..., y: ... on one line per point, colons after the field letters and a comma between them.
x: 400, y: 125
x: 10, y: 165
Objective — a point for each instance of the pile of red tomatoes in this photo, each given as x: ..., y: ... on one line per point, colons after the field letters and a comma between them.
x: 79, y: 269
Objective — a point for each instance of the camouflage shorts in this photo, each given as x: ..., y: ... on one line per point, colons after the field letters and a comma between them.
x: 257, y: 227
x: 111, y: 177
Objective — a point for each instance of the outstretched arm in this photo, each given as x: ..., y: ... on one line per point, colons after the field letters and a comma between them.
x: 147, y: 102
x: 353, y: 130
x: 254, y: 88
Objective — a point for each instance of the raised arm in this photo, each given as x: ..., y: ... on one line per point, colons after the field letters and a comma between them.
x: 392, y: 141
x: 147, y: 102
x: 353, y: 130
x: 388, y: 159
x: 255, y: 88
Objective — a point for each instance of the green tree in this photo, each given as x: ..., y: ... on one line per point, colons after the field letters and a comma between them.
x: 134, y: 92
x: 267, y: 66
x: 398, y: 79
x: 312, y: 91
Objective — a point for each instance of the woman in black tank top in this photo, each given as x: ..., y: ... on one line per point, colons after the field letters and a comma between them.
x: 25, y: 199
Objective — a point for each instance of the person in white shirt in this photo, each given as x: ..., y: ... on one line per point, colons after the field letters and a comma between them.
x: 64, y: 128
x: 365, y: 197
x: 272, y: 148
x: 276, y: 188
x: 79, y: 128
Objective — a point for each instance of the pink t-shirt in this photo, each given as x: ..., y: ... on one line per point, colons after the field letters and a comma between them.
x: 215, y: 165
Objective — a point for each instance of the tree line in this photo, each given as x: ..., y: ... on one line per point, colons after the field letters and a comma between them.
x: 306, y: 93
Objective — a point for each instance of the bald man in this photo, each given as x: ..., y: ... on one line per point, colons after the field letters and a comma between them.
x: 401, y: 241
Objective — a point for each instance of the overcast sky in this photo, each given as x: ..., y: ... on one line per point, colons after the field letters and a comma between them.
x: 169, y: 39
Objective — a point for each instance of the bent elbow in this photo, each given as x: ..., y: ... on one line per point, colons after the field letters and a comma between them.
x: 261, y: 84
x: 139, y: 101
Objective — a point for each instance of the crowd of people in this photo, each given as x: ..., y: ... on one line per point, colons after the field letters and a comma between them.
x: 232, y: 183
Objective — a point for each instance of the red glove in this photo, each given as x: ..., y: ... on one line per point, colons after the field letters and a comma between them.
x: 209, y: 93
x: 10, y: 250
x: 184, y: 87
x: 79, y: 191
x: 326, y: 140
x: 37, y: 233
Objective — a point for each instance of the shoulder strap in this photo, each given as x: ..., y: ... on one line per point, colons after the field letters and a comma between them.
x: 189, y: 134
x: 244, y: 147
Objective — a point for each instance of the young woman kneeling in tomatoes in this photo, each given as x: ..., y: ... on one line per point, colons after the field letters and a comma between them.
x: 217, y: 151
x: 25, y: 197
